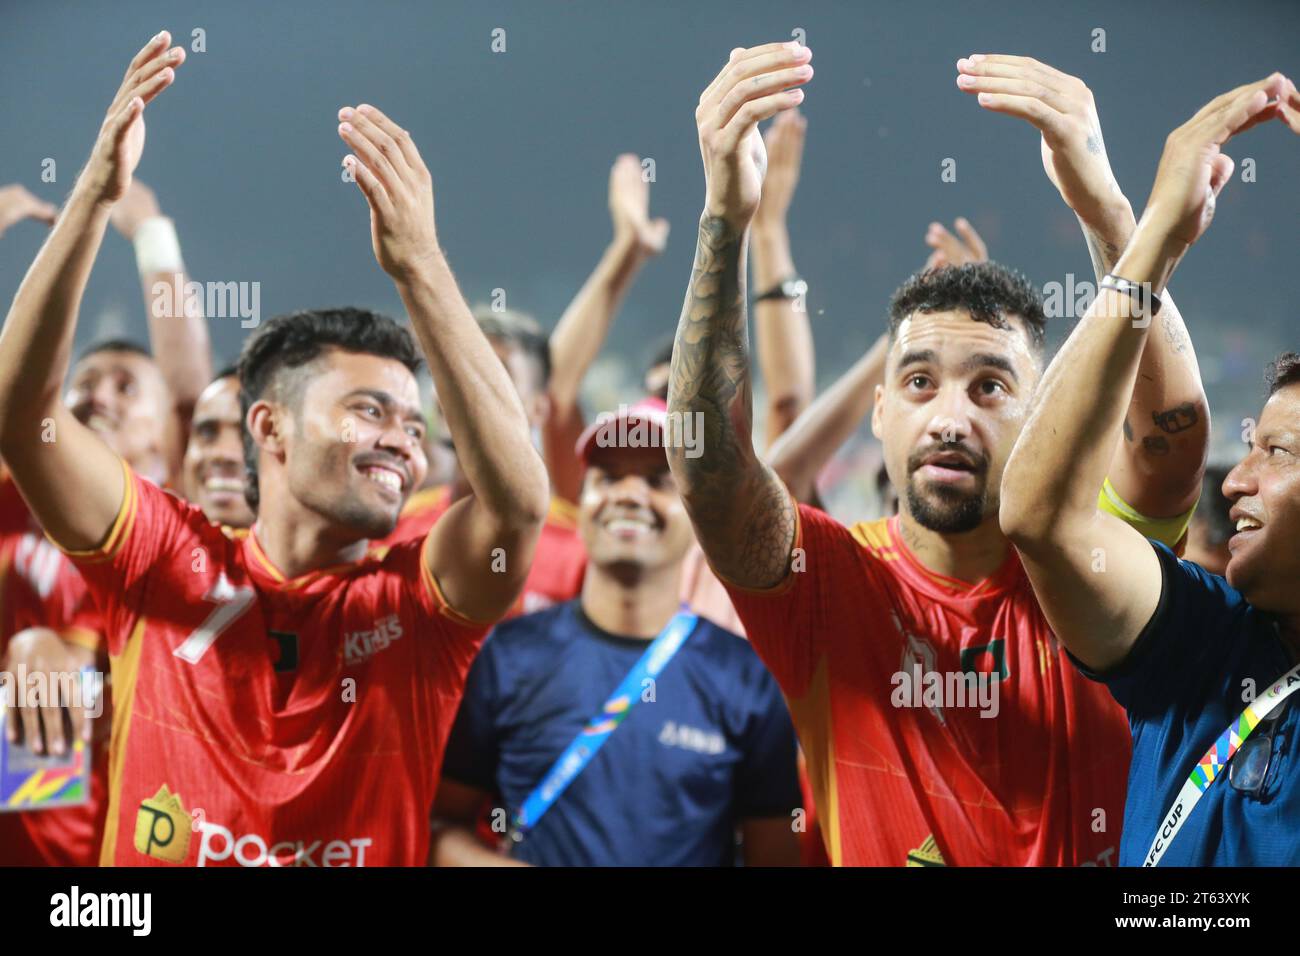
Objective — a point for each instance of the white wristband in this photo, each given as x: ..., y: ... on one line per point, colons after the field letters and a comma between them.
x: 157, y: 249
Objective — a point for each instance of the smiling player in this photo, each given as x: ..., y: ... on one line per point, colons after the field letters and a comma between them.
x: 282, y: 697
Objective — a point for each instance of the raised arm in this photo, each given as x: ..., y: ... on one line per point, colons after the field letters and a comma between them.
x: 1158, y: 462
x: 496, y: 528
x: 585, y: 325
x: 178, y: 331
x: 1097, y: 579
x: 782, y: 332
x: 72, y: 481
x: 743, y: 517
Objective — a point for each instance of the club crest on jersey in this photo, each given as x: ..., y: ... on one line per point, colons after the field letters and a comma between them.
x: 162, y: 827
x: 927, y: 854
x: 360, y: 645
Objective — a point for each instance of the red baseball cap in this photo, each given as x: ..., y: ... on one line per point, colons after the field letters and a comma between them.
x: 611, y: 429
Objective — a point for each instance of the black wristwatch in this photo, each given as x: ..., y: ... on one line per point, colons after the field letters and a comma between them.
x: 791, y: 288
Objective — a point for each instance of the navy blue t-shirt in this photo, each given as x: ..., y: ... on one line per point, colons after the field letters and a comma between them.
x: 716, y: 746
x: 1183, y: 684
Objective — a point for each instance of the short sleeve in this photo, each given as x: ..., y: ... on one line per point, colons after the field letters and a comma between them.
x: 787, y: 623
x: 1181, y: 653
x: 151, y: 525
x: 452, y: 640
x: 473, y: 749
x: 768, y: 776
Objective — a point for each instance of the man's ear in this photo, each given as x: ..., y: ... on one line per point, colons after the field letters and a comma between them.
x: 875, y: 411
x: 265, y: 423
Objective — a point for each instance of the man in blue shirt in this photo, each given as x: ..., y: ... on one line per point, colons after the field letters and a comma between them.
x: 1203, y: 665
x: 706, y: 749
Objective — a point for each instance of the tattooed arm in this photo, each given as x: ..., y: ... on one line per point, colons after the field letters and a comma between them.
x: 1097, y: 580
x: 1157, y: 465
x: 743, y: 516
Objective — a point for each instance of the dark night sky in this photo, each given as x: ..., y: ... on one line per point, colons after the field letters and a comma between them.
x: 243, y: 151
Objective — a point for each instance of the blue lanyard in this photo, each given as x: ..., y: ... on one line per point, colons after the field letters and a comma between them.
x: 598, y: 729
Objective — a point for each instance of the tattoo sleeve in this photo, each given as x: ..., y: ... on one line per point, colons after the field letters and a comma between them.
x: 743, y: 516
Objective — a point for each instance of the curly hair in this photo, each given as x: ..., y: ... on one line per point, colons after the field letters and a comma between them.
x: 988, y: 291
x: 290, y: 342
x: 1282, y: 371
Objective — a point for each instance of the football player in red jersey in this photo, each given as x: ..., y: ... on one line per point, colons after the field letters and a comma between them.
x: 848, y: 619
x: 282, y: 697
x: 141, y: 404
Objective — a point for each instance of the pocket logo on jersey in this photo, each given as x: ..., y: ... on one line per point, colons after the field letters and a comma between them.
x: 219, y: 844
x: 360, y: 645
x: 162, y: 827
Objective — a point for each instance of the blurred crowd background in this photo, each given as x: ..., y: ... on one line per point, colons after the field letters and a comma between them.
x: 245, y: 158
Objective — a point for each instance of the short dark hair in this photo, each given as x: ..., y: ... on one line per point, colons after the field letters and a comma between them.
x: 289, y: 342
x: 115, y: 345
x: 523, y: 332
x: 988, y: 291
x: 1282, y: 371
x: 1213, y: 508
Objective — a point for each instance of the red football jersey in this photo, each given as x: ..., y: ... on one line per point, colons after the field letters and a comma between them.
x: 909, y: 778
x: 559, y: 562
x: 261, y: 721
x: 39, y: 587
